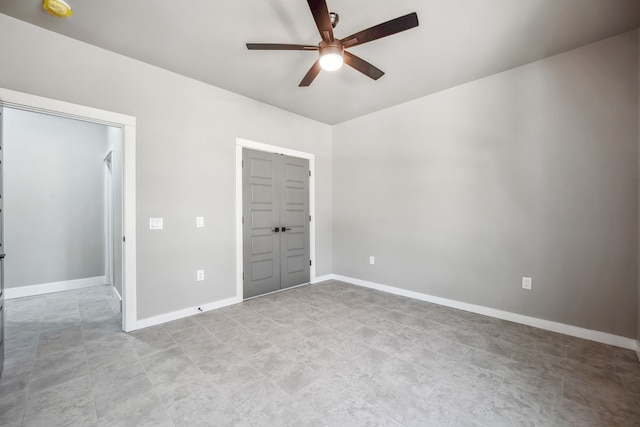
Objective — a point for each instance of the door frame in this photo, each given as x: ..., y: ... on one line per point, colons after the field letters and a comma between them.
x: 259, y: 146
x: 53, y: 107
x: 108, y: 217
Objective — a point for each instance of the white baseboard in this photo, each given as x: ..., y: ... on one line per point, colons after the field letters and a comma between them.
x: 175, y: 315
x: 322, y: 278
x: 48, y: 288
x: 116, y: 299
x: 115, y: 294
x: 575, y: 331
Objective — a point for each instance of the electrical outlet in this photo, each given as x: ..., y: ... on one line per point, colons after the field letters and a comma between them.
x: 199, y: 221
x: 372, y: 260
x: 199, y: 275
x: 526, y: 283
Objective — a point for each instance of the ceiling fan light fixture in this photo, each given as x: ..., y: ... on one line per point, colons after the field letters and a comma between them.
x: 331, y: 50
x: 58, y: 8
x: 331, y: 56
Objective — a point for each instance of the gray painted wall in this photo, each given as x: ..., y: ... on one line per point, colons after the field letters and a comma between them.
x: 186, y: 133
x: 114, y: 142
x: 54, y: 198
x: 531, y: 172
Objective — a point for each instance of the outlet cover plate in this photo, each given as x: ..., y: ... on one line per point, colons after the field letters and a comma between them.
x: 526, y: 283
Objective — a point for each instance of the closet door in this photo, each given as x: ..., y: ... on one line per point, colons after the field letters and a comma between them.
x: 260, y: 217
x: 294, y: 219
x: 275, y: 199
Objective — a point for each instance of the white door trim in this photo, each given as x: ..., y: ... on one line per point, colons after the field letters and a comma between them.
x: 108, y: 218
x: 24, y: 101
x: 245, y: 143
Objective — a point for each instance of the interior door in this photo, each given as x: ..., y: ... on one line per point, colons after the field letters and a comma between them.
x: 275, y: 222
x: 294, y: 217
x: 260, y: 204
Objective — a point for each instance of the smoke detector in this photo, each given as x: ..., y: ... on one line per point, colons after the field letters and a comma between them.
x: 58, y: 8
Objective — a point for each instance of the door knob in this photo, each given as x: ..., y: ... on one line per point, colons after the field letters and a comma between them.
x: 277, y: 230
x: 286, y: 229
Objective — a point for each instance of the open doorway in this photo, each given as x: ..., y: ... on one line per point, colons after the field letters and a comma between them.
x: 62, y: 204
x: 124, y: 126
x: 113, y: 180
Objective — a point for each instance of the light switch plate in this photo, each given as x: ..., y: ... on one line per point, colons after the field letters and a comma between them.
x: 155, y: 224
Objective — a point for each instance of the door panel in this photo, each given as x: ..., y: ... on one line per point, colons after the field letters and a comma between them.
x: 261, y: 246
x: 295, y: 218
x: 294, y: 210
x: 275, y: 194
x: 296, y: 241
x: 261, y: 193
x: 261, y: 270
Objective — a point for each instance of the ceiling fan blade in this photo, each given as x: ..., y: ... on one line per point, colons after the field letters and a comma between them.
x: 311, y: 74
x: 363, y: 66
x: 321, y: 16
x: 382, y: 30
x: 277, y: 46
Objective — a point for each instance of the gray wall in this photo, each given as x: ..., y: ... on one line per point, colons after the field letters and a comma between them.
x: 114, y: 142
x: 54, y: 198
x: 186, y: 133
x: 531, y: 172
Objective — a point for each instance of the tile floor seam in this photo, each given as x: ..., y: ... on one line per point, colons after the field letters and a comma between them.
x: 27, y: 392
x: 93, y: 397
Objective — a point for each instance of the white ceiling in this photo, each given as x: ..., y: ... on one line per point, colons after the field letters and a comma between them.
x: 457, y: 41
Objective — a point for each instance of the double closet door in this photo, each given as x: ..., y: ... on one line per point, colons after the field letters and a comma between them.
x: 275, y: 204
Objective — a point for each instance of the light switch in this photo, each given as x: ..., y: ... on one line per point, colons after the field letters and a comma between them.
x: 155, y: 224
x: 199, y: 221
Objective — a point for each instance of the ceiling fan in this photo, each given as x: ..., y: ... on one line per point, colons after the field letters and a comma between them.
x: 332, y: 51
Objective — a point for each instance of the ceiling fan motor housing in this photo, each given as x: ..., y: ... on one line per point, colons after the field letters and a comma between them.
x: 334, y: 47
x: 331, y: 55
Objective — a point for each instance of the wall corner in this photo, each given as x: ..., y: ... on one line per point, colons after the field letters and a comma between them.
x: 638, y: 152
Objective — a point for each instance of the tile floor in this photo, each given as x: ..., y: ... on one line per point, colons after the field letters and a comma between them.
x: 328, y: 354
